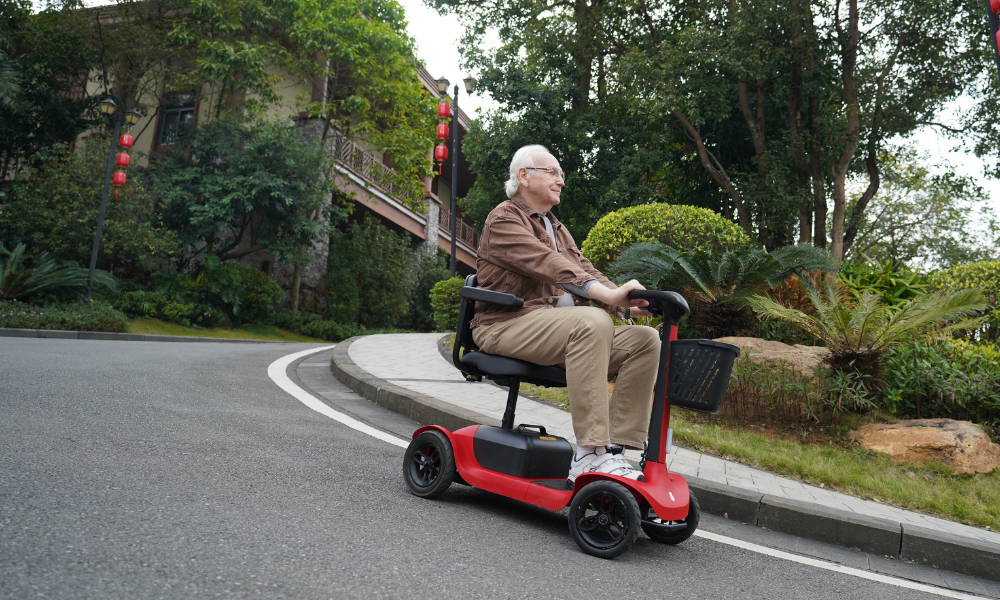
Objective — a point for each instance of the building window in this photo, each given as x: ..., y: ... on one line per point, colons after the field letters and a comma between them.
x: 178, y: 118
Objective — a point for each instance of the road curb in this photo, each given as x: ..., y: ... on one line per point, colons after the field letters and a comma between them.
x: 881, y: 537
x: 124, y: 337
x: 423, y: 409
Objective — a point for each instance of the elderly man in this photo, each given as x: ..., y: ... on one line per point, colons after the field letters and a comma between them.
x: 526, y: 251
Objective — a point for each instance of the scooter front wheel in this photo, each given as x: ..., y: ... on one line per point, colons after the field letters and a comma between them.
x: 671, y: 532
x: 429, y: 464
x: 604, y: 519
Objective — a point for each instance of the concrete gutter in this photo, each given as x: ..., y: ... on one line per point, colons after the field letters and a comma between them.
x: 880, y: 537
x: 123, y: 337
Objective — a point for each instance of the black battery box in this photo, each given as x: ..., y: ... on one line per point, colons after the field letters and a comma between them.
x: 523, y: 452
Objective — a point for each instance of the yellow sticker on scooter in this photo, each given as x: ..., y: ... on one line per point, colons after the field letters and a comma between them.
x: 547, y: 437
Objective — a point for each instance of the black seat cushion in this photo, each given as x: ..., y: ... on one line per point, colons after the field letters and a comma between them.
x: 501, y: 367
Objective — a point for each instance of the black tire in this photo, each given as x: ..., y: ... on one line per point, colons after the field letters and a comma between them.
x: 429, y: 464
x: 676, y: 537
x: 604, y: 519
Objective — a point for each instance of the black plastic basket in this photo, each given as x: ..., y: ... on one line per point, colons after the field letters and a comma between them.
x: 699, y: 373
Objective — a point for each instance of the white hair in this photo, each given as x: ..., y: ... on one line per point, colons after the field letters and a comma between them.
x: 524, y: 157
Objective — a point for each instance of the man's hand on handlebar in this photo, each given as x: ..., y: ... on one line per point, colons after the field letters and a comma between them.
x: 619, y: 297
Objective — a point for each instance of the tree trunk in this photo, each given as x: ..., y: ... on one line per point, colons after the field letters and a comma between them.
x: 849, y: 58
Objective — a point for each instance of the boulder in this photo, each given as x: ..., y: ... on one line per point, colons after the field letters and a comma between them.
x: 801, y: 358
x: 961, y: 445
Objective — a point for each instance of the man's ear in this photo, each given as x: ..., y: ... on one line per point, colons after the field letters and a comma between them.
x: 522, y: 176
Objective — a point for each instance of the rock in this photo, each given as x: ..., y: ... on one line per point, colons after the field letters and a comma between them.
x: 961, y: 445
x: 801, y: 358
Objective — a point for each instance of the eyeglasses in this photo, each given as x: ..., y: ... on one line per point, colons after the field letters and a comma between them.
x: 560, y: 174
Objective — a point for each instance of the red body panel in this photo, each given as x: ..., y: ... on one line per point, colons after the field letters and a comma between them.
x: 666, y: 493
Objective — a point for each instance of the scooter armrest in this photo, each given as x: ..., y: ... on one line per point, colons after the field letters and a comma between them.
x: 499, y: 298
x: 668, y: 304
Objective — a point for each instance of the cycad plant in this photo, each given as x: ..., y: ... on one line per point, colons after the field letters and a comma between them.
x: 19, y: 281
x: 860, y: 328
x: 718, y: 285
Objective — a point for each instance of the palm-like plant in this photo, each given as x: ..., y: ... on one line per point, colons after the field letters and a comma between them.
x: 718, y: 285
x: 17, y: 280
x: 859, y: 329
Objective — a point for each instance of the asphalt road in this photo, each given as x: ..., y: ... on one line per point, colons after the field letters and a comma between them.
x: 172, y: 470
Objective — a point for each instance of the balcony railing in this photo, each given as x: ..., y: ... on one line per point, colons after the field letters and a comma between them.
x: 366, y: 166
x: 467, y: 234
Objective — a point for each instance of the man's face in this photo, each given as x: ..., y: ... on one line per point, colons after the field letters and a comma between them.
x: 539, y: 187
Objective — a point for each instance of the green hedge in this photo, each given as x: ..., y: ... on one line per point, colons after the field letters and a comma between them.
x: 77, y: 316
x: 984, y: 274
x: 682, y: 227
x: 445, y: 300
x: 158, y: 305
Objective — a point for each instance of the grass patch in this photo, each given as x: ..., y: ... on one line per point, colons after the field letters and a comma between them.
x: 928, y: 487
x: 244, y: 332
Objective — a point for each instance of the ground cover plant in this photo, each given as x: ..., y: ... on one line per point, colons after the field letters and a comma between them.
x: 74, y: 316
x: 247, y: 332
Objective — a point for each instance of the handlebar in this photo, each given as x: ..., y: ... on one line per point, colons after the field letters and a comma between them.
x: 669, y: 305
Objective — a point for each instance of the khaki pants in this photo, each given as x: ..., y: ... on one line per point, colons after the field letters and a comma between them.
x: 584, y: 340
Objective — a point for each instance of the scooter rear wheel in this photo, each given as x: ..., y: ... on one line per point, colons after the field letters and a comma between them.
x: 604, y: 519
x: 429, y: 464
x: 675, y: 537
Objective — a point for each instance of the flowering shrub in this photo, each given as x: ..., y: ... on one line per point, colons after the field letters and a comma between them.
x: 78, y: 316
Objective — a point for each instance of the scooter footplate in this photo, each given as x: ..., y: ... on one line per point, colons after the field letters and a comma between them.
x: 554, y: 484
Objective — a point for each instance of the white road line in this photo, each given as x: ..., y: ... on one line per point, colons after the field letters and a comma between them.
x: 829, y: 566
x: 277, y: 371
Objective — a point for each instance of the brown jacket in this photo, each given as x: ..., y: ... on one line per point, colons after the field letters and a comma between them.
x: 516, y: 256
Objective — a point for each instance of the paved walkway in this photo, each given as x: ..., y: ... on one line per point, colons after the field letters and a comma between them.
x: 413, y: 361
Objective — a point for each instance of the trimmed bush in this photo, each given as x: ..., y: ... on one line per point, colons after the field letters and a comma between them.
x: 445, y: 299
x: 77, y: 316
x: 985, y: 275
x: 686, y: 228
x: 245, y: 294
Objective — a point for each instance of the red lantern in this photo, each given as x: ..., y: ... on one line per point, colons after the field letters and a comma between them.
x: 995, y: 6
x: 122, y: 159
x: 119, y: 178
x: 441, y: 153
x: 125, y: 141
x: 442, y: 131
x: 444, y: 110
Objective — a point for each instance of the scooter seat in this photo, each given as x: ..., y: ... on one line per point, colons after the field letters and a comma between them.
x: 502, y: 367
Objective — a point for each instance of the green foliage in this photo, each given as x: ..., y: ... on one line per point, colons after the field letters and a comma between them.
x: 446, y: 299
x: 378, y: 264
x: 947, y: 378
x: 429, y: 271
x: 76, y: 316
x: 719, y: 286
x: 686, y: 228
x: 926, y: 220
x: 245, y: 294
x: 44, y: 57
x: 240, y: 188
x: 158, y: 305
x: 894, y: 285
x: 859, y: 331
x: 984, y: 275
x: 46, y: 276
x: 315, y: 326
x: 54, y: 209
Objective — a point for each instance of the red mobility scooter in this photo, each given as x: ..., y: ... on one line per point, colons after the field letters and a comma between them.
x: 525, y: 463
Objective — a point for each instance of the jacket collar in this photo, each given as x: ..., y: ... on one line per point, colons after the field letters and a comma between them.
x: 521, y: 204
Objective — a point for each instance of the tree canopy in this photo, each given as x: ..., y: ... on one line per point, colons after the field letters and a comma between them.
x: 767, y: 112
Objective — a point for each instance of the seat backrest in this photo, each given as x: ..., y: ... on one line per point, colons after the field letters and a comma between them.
x: 463, y: 333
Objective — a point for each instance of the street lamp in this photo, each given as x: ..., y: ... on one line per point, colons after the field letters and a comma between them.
x: 442, y: 85
x: 109, y: 109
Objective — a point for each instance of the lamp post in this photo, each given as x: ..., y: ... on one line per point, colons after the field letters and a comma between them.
x: 443, y: 89
x: 108, y: 109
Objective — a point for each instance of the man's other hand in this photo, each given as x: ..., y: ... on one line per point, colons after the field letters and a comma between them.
x: 619, y: 297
